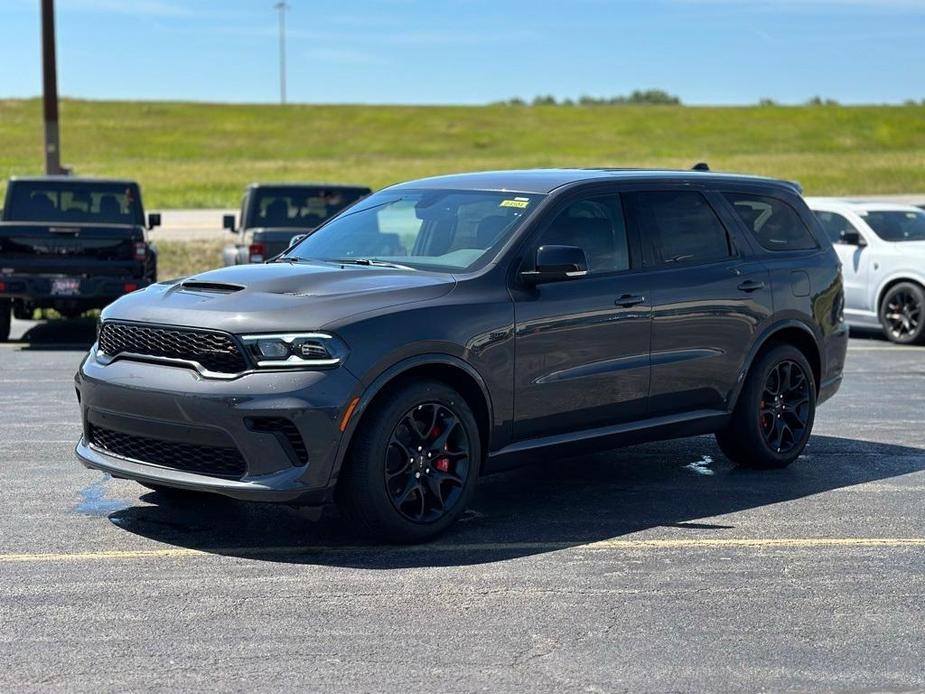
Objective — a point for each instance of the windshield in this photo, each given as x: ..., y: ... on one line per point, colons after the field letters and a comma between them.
x: 300, y: 207
x: 74, y: 202
x: 897, y: 225
x: 445, y: 230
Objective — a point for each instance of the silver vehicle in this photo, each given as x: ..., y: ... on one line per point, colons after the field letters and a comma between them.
x: 272, y: 214
x: 882, y: 250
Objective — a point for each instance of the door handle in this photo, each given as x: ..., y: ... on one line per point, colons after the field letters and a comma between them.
x: 628, y: 300
x: 751, y: 286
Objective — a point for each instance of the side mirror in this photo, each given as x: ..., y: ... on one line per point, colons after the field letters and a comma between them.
x: 295, y: 239
x: 557, y: 263
x: 228, y: 223
x: 154, y: 219
x: 851, y: 237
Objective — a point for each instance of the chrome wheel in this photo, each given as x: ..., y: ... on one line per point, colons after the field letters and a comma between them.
x: 427, y: 462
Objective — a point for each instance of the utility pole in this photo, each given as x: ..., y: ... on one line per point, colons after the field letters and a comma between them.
x: 282, y: 7
x: 50, y: 90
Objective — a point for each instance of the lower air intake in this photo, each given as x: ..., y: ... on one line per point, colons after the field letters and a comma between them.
x: 214, y: 461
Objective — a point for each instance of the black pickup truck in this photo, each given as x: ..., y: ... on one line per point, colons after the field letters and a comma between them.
x: 71, y: 244
x: 272, y: 213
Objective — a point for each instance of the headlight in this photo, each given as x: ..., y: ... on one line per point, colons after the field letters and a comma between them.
x: 295, y: 350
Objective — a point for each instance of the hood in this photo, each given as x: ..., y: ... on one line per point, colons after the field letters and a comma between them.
x: 277, y: 296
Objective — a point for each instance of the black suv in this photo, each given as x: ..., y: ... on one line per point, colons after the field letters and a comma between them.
x: 519, y: 314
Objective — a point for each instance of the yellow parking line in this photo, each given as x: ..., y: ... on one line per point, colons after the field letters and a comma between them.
x: 614, y: 544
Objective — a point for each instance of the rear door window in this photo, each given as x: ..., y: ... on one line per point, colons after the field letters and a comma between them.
x: 678, y: 227
x: 773, y: 223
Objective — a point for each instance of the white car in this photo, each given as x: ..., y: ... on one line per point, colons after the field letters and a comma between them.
x: 882, y: 250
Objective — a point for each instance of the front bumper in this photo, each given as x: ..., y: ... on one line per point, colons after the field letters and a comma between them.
x: 172, y: 404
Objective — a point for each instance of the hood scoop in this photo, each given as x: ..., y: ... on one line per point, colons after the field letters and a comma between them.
x: 211, y: 287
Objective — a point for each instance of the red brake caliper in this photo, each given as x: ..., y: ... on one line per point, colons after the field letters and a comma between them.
x: 441, y: 464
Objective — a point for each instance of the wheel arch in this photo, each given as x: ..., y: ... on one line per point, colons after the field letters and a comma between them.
x: 789, y: 332
x: 445, y: 368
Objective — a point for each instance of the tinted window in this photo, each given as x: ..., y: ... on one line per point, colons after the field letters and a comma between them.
x: 433, y: 229
x: 679, y: 227
x: 835, y: 225
x: 897, y: 225
x: 74, y: 202
x: 596, y: 226
x: 773, y: 223
x: 299, y: 206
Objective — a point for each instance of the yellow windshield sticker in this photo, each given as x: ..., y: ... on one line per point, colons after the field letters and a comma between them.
x: 519, y: 203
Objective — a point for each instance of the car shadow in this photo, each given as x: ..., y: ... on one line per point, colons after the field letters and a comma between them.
x: 674, y: 484
x: 868, y: 333
x: 59, y: 334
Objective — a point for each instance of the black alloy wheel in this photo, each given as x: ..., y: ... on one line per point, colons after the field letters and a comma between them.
x: 784, y: 411
x: 427, y: 462
x: 774, y: 414
x: 412, y: 464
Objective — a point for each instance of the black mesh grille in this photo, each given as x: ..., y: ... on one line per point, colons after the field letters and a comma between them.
x: 214, y: 461
x: 214, y: 351
x: 285, y: 428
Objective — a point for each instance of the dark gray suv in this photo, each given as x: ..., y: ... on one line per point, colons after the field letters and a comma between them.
x: 517, y: 314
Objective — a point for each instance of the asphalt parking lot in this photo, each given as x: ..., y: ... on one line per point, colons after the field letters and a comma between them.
x: 654, y: 568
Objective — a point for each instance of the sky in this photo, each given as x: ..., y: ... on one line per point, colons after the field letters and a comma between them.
x: 473, y: 51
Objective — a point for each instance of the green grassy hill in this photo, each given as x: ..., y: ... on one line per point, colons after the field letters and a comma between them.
x: 202, y: 155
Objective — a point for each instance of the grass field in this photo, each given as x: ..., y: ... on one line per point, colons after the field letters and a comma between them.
x: 182, y: 258
x: 202, y: 155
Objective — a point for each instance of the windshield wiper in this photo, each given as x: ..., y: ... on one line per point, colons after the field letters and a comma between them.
x: 291, y: 259
x: 370, y: 262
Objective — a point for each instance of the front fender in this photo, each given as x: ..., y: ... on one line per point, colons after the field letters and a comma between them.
x: 386, y: 376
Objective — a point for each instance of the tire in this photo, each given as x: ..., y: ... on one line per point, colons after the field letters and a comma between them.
x: 6, y: 311
x: 771, y: 424
x: 390, y: 488
x: 902, y: 314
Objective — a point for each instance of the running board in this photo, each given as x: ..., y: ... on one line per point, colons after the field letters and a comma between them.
x: 603, y: 438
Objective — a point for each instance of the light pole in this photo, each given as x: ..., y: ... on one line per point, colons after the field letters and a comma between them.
x: 282, y: 7
x: 50, y: 90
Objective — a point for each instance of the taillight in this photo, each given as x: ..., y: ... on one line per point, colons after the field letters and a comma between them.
x: 255, y: 252
x: 129, y: 287
x: 2, y: 287
x: 141, y: 250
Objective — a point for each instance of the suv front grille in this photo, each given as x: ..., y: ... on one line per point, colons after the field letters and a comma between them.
x: 213, y: 351
x: 215, y: 461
